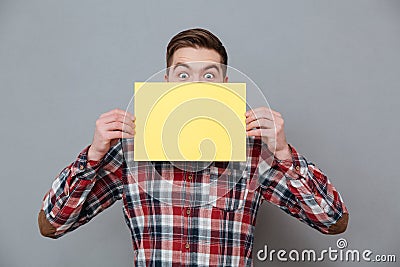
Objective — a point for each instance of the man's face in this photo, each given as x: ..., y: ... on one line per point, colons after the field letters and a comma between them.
x: 195, y: 65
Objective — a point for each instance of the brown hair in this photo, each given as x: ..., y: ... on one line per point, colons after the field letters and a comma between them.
x: 196, y: 38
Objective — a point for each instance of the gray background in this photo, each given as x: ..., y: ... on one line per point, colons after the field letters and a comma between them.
x: 331, y: 68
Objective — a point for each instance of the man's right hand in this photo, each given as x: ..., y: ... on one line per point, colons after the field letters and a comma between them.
x: 110, y: 127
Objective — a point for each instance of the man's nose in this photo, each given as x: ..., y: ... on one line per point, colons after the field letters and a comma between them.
x: 195, y: 78
x: 198, y: 78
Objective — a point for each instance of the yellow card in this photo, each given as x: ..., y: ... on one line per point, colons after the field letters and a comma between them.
x: 191, y: 121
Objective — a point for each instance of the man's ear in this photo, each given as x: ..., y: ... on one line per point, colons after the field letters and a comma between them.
x: 226, y: 79
x: 165, y: 78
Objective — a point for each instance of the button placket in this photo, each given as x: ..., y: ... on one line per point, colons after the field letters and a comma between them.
x: 185, y: 237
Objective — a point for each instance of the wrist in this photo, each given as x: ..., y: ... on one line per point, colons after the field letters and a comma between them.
x: 92, y: 155
x: 284, y: 154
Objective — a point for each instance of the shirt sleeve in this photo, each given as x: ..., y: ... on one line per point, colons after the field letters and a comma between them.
x: 84, y: 189
x: 300, y: 189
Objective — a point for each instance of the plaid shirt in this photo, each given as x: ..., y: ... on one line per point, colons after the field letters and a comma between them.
x: 196, y: 217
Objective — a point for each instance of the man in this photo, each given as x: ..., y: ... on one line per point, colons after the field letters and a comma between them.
x: 219, y: 233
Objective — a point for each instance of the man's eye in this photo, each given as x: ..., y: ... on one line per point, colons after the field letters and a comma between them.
x: 209, y: 76
x: 183, y: 75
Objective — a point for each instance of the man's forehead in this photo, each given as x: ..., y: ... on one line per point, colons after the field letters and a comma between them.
x: 187, y: 60
x: 190, y: 54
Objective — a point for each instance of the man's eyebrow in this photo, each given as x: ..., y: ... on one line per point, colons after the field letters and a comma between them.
x: 213, y: 66
x: 181, y: 65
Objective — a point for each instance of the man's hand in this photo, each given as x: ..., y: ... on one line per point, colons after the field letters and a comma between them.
x: 110, y: 126
x: 268, y: 124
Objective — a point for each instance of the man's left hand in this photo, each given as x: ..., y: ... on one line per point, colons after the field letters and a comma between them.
x: 268, y: 124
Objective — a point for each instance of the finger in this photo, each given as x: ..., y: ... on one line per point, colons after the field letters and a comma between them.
x: 130, y: 115
x: 259, y: 114
x: 128, y: 127
x: 117, y: 134
x: 118, y: 112
x: 262, y: 132
x: 115, y: 117
x: 261, y: 123
x: 128, y: 135
x: 119, y: 126
x: 267, y: 109
x: 124, y: 127
x: 122, y: 124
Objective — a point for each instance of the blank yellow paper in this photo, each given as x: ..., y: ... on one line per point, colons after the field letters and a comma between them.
x: 195, y: 121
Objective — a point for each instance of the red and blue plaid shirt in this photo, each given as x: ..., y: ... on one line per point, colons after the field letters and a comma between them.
x: 201, y: 216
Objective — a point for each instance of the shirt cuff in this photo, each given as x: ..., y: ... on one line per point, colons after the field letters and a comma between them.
x: 83, y: 168
x: 294, y: 168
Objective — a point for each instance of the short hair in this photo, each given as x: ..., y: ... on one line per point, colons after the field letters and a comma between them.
x: 197, y: 38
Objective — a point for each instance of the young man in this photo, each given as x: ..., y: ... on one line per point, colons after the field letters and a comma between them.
x: 219, y: 233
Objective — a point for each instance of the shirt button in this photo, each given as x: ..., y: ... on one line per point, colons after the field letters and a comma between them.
x: 297, y: 168
x: 187, y: 245
x: 188, y: 211
x: 190, y: 177
x: 81, y: 167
